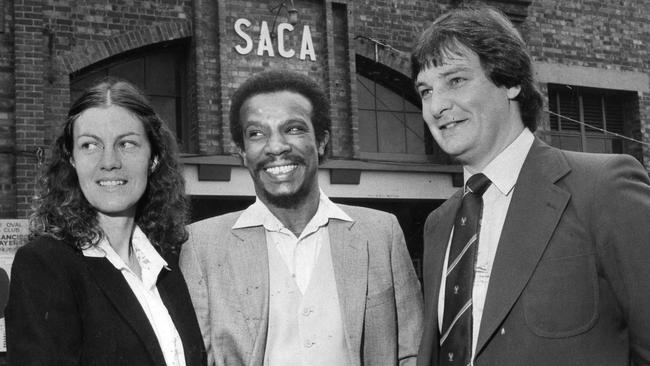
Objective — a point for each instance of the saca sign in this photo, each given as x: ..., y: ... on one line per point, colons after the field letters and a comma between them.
x: 265, y: 41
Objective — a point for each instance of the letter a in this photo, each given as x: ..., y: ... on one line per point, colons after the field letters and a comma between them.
x: 307, y: 45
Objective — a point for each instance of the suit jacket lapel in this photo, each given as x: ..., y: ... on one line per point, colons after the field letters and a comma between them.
x: 436, y: 239
x: 350, y: 261
x: 249, y: 265
x: 171, y: 290
x: 118, y: 292
x: 535, y: 210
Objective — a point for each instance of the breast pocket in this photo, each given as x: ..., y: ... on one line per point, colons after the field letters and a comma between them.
x: 561, y: 299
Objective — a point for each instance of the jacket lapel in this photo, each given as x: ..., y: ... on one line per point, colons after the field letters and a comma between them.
x: 350, y: 261
x: 118, y: 292
x: 249, y: 265
x: 534, y: 212
x: 436, y: 239
x: 176, y: 299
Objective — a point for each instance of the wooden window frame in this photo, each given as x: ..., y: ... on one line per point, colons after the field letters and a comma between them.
x: 585, y: 133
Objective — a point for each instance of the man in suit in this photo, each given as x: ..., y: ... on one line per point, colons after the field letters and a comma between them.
x: 558, y: 266
x: 296, y: 279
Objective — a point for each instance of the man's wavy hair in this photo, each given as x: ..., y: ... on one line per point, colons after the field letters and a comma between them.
x: 62, y: 211
x: 499, y: 46
x: 277, y: 81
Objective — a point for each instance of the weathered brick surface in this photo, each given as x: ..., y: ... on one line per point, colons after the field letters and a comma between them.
x: 30, y: 49
x: 209, y: 20
x: 395, y: 22
x: 43, y: 42
x: 55, y: 38
x: 592, y: 33
x: 339, y: 61
x: 601, y: 34
x: 235, y: 67
x: 7, y: 118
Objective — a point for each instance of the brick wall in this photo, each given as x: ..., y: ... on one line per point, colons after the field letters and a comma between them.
x: 30, y: 48
x: 601, y: 34
x: 344, y: 125
x: 235, y: 67
x: 55, y: 38
x: 397, y: 22
x: 43, y: 42
x: 7, y: 121
x: 209, y: 24
x: 596, y: 33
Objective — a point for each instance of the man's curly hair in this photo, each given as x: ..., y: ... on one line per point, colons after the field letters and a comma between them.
x: 272, y: 81
x: 63, y: 212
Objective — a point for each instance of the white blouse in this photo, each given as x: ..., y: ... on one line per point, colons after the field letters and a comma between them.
x: 145, y: 290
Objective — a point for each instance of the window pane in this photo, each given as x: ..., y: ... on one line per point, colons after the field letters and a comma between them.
x: 553, y: 107
x: 365, y: 90
x: 614, y: 113
x: 569, y: 108
x: 391, y: 133
x: 415, y: 133
x: 388, y: 101
x: 165, y: 107
x: 601, y: 108
x: 132, y: 71
x: 598, y: 145
x: 592, y: 108
x: 389, y: 123
x: 367, y: 131
x: 556, y: 141
x: 570, y: 142
x: 410, y: 107
x: 161, y: 74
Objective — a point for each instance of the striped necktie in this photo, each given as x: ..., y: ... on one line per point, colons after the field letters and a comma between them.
x: 456, y: 338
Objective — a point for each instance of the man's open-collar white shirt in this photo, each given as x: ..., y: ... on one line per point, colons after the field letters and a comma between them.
x: 503, y: 171
x: 145, y: 290
x: 299, y: 253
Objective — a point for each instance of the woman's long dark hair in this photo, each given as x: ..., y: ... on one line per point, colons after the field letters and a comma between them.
x: 62, y: 211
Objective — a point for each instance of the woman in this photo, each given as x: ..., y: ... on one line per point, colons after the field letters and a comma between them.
x: 91, y: 288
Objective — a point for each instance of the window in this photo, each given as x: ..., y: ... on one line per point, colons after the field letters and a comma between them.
x: 391, y: 127
x: 159, y: 71
x: 388, y: 122
x: 606, y: 110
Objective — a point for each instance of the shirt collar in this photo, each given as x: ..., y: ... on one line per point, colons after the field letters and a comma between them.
x: 151, y: 263
x: 258, y: 214
x: 504, y: 169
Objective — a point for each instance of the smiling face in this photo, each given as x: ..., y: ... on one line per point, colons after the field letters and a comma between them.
x: 470, y: 117
x: 111, y: 155
x: 280, y: 147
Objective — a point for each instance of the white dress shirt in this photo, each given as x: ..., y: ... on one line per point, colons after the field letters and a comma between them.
x: 299, y: 253
x: 503, y: 171
x: 145, y: 290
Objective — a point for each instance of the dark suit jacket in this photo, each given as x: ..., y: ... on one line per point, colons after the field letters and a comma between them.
x: 67, y: 309
x: 570, y: 281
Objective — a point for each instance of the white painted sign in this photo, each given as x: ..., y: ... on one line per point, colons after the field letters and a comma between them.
x: 13, y: 234
x: 265, y: 43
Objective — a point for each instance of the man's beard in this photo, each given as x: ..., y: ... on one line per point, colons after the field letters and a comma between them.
x: 289, y: 200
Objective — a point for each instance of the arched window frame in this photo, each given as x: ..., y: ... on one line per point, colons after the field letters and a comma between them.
x: 376, y: 80
x: 152, y: 68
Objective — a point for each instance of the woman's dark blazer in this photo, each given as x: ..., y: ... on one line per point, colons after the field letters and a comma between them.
x: 68, y: 309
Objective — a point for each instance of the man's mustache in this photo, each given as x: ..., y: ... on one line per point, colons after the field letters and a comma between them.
x: 287, y: 159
